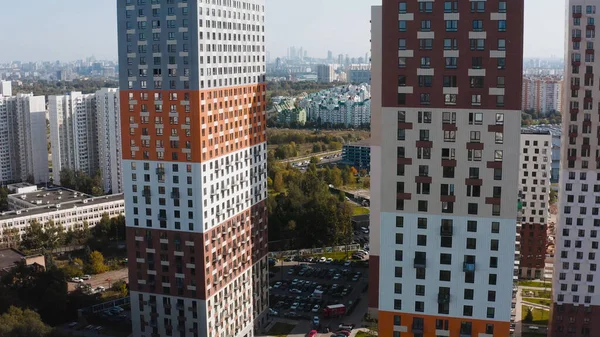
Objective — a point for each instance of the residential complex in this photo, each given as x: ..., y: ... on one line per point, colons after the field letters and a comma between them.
x: 534, y: 188
x: 84, y: 135
x: 576, y: 306
x: 325, y: 73
x: 293, y: 115
x: 73, y: 133
x: 347, y: 105
x: 443, y: 241
x: 542, y: 94
x: 108, y: 130
x: 67, y: 208
x: 23, y: 146
x: 193, y: 118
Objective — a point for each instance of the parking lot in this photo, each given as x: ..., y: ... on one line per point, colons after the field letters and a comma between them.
x: 301, y: 290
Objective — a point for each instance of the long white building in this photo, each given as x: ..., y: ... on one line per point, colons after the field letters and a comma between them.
x: 85, y: 135
x: 23, y: 146
x: 348, y: 105
x: 64, y: 207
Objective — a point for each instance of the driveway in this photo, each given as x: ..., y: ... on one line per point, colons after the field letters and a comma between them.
x: 102, y: 279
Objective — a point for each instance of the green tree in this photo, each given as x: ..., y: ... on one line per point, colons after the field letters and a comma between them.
x: 97, y: 265
x: 366, y: 182
x: 314, y: 160
x: 22, y: 323
x: 553, y: 196
x: 3, y: 199
x: 34, y: 236
x: 336, y: 177
x: 278, y: 185
x: 528, y: 316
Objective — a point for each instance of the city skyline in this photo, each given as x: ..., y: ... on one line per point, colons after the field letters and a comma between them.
x: 96, y: 29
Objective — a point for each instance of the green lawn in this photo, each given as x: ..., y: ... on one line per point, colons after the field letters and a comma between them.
x: 540, y: 317
x: 536, y: 284
x: 357, y: 210
x: 337, y: 255
x: 280, y: 329
x: 364, y: 334
x: 539, y: 301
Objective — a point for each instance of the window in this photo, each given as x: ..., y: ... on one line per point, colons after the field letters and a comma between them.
x: 501, y: 25
x: 425, y: 99
x: 402, y: 80
x: 451, y: 62
x: 425, y: 80
x: 501, y: 63
x: 476, y: 81
x: 502, y: 7
x: 475, y: 99
x: 500, y: 100
x: 477, y: 62
x: 468, y: 294
x: 451, y: 25
x: 450, y: 44
x: 397, y: 304
x: 426, y: 7
x: 468, y: 310
x: 477, y: 44
x: 402, y: 8
x: 450, y: 99
x: 424, y: 117
x: 420, y: 290
x: 500, y: 82
x: 419, y: 306
x: 425, y: 62
x: 445, y: 275
x: 451, y: 7
x: 402, y: 44
x: 402, y: 26
x: 478, y: 25
x: 477, y: 6
x: 472, y: 208
x: 425, y: 25
x: 401, y: 62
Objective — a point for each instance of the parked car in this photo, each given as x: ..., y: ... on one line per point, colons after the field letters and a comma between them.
x: 86, y: 277
x: 316, y: 308
x: 76, y: 280
x: 312, y: 333
x: 345, y: 326
x: 316, y: 321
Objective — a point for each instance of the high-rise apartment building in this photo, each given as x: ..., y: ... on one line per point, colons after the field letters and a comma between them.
x: 5, y: 88
x: 447, y: 78
x: 108, y: 130
x: 194, y: 165
x: 325, y: 73
x: 542, y: 94
x: 576, y: 306
x: 73, y: 133
x: 534, y: 187
x: 85, y: 135
x: 23, y: 146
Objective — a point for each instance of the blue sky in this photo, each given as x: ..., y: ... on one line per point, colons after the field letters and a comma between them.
x: 72, y: 29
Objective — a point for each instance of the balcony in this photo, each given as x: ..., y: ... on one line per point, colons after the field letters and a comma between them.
x: 492, y: 201
x: 419, y: 262
x: 160, y: 171
x: 404, y: 161
x: 574, y: 86
x: 474, y: 146
x: 577, y: 15
x: 449, y: 127
x: 424, y: 144
x: 162, y: 217
x: 423, y: 179
x: 403, y: 196
x: 576, y: 38
x: 443, y: 298
x: 447, y: 198
x: 590, y: 27
x: 405, y: 126
x: 496, y: 128
x: 468, y: 267
x: 473, y: 181
x: 589, y: 51
x: 449, y: 162
x: 446, y: 230
x: 574, y: 110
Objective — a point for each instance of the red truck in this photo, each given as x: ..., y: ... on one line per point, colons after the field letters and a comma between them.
x: 334, y: 310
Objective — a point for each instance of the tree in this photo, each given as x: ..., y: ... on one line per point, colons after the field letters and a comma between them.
x: 366, y: 182
x: 97, y: 265
x: 314, y: 160
x: 528, y: 316
x: 336, y: 177
x: 4, y: 199
x: 278, y: 185
x: 18, y: 322
x: 34, y: 236
x: 553, y: 196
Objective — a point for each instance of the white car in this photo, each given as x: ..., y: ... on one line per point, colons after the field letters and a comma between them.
x: 337, y: 276
x: 323, y: 259
x: 294, y: 306
x: 76, y: 280
x: 347, y: 264
x: 100, y: 289
x: 86, y: 277
x: 277, y: 285
x: 316, y: 308
x: 316, y: 321
x: 329, y: 260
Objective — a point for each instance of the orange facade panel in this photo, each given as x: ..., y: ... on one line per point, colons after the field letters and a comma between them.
x: 191, y: 126
x: 386, y: 325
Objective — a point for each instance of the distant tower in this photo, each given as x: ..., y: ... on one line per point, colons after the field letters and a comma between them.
x: 329, y: 55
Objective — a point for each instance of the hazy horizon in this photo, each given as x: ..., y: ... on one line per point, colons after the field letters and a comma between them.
x: 83, y: 28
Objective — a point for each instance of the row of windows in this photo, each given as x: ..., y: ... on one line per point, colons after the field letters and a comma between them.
x: 475, y: 118
x: 451, y: 7
x: 451, y: 25
x: 451, y: 44
x: 451, y: 99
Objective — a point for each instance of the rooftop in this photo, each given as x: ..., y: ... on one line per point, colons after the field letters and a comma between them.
x: 364, y: 142
x: 535, y: 132
x: 49, y: 197
x: 67, y: 201
x: 9, y: 257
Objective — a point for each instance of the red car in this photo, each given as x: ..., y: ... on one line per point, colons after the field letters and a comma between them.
x: 343, y: 332
x: 312, y: 333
